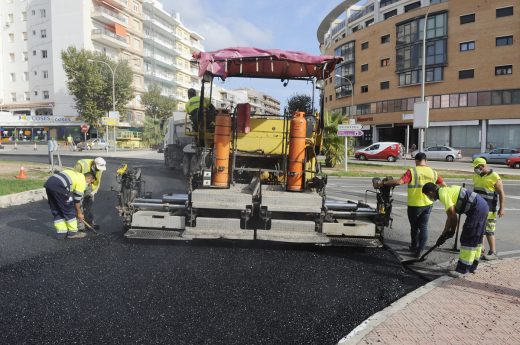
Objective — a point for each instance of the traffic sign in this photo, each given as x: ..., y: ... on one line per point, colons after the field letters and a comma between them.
x: 350, y: 133
x: 113, y: 114
x: 349, y: 127
x: 108, y: 121
x: 84, y: 128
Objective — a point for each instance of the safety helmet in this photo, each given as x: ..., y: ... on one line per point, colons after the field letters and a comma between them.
x: 478, y: 161
x: 100, y: 163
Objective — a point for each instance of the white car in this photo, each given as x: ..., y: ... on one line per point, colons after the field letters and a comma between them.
x: 441, y: 152
x: 93, y: 144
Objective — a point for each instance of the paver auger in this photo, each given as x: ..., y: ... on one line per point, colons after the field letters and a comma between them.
x: 256, y: 176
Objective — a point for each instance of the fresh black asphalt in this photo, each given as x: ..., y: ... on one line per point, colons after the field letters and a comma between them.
x: 108, y: 290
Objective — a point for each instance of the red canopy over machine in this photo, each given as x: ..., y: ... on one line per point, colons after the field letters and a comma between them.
x: 265, y: 63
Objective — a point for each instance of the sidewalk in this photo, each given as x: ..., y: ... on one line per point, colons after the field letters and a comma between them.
x: 481, y: 308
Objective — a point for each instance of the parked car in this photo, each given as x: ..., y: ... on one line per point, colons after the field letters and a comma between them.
x: 514, y: 162
x: 389, y: 151
x: 441, y: 152
x: 93, y: 144
x: 500, y: 155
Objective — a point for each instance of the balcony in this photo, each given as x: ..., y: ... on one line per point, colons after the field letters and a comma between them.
x: 362, y: 13
x: 109, y: 38
x: 164, y: 28
x: 167, y: 46
x: 108, y: 16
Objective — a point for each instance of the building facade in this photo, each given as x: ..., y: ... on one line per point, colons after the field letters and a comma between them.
x: 472, y: 56
x: 168, y: 49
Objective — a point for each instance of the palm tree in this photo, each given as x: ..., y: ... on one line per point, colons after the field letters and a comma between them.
x: 333, y: 146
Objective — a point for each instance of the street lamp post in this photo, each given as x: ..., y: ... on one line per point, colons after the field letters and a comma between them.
x: 113, y: 71
x: 351, y: 109
x: 421, y: 130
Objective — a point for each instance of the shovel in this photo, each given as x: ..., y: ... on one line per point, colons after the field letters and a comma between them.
x: 422, y: 258
x: 90, y: 227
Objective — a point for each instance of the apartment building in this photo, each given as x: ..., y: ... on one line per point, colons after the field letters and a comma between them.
x: 472, y: 58
x: 33, y: 83
x: 168, y: 49
x: 261, y: 103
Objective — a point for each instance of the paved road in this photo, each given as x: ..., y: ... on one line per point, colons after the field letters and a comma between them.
x: 106, y: 290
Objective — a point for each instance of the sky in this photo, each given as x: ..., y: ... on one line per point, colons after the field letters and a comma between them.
x: 282, y: 24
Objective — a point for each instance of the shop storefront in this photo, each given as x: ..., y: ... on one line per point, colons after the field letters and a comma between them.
x: 38, y: 128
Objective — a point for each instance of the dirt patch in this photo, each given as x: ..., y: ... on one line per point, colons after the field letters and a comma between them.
x: 11, y: 168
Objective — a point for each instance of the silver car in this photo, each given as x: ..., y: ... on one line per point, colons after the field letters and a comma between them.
x: 441, y: 152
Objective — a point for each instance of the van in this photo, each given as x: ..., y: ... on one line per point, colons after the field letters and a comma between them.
x: 389, y: 151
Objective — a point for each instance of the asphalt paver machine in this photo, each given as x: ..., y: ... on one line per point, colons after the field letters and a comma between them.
x: 256, y: 176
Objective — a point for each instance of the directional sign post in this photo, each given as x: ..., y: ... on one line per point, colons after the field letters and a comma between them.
x: 355, y: 133
x: 349, y: 130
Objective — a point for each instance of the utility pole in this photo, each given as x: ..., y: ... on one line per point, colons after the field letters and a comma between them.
x: 421, y: 130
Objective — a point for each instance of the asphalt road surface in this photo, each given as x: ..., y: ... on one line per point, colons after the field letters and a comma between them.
x: 108, y: 290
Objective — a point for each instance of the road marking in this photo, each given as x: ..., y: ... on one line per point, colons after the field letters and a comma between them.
x: 511, y: 252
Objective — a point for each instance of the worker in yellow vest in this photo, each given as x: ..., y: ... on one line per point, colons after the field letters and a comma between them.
x: 97, y: 167
x: 488, y: 184
x: 192, y: 109
x: 419, y: 206
x: 64, y: 193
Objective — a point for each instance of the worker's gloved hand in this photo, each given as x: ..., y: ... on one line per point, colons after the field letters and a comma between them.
x: 450, y: 234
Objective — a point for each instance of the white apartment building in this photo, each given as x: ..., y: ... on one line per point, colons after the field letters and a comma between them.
x: 168, y: 49
x: 261, y: 103
x: 33, y: 34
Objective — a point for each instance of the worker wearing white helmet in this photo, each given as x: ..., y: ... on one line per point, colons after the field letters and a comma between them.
x: 95, y: 166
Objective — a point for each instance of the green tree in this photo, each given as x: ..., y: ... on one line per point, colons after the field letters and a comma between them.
x: 152, y: 131
x: 299, y: 103
x: 333, y: 146
x: 158, y: 108
x: 90, y: 83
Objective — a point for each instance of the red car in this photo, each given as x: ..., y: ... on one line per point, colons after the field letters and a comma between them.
x: 389, y: 151
x: 514, y: 162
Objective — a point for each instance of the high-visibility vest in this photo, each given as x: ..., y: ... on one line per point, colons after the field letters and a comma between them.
x: 485, y: 187
x: 74, y: 182
x: 194, y: 104
x: 465, y: 201
x: 84, y: 166
x: 420, y: 176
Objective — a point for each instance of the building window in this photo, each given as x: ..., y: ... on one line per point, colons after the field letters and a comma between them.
x: 385, y: 62
x: 11, y: 57
x: 385, y: 39
x: 33, y: 12
x: 13, y: 96
x: 384, y: 85
x: 24, y: 16
x: 36, y: 93
x: 467, y: 74
x: 24, y: 36
x: 10, y: 18
x: 43, y: 13
x: 364, y: 45
x: 34, y: 52
x: 364, y: 89
x: 364, y: 67
x: 369, y: 22
x: 390, y: 14
x: 25, y: 76
x: 465, y: 46
x: 504, y: 41
x: 412, y: 6
x: 11, y: 38
x: 45, y: 74
x: 504, y: 70
x: 44, y: 54
x: 12, y: 77
x: 467, y: 18
x: 25, y: 57
x: 136, y: 6
x: 27, y: 96
x: 43, y: 33
x: 505, y: 11
x: 330, y: 98
x: 45, y: 94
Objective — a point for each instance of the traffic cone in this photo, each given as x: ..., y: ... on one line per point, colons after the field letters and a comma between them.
x: 21, y: 174
x: 35, y: 148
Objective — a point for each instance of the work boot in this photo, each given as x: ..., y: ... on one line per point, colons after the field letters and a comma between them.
x: 75, y: 235
x: 81, y: 226
x: 491, y: 256
x: 455, y: 274
x: 418, y: 253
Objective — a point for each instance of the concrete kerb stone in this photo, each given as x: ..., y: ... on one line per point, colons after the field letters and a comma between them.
x: 358, y: 333
x: 22, y: 198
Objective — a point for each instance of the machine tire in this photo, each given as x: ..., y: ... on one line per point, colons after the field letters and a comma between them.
x: 450, y: 158
x: 186, y: 159
x: 362, y: 158
x: 516, y: 165
x: 390, y: 158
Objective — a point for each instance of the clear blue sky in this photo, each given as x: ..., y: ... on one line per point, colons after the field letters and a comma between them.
x: 282, y: 24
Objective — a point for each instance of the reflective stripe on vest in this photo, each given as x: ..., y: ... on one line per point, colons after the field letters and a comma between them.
x: 85, y: 165
x: 65, y: 180
x: 420, y: 176
x: 485, y: 187
x: 465, y: 201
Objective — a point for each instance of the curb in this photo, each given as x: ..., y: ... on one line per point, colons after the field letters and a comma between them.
x: 358, y: 333
x: 22, y: 198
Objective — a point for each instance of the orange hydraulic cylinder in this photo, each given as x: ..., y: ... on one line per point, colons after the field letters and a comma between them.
x: 220, y: 176
x: 296, y: 152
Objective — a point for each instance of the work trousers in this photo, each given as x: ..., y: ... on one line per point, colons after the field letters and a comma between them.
x: 62, y: 209
x: 87, y: 205
x: 491, y: 223
x: 418, y: 217
x: 471, y: 237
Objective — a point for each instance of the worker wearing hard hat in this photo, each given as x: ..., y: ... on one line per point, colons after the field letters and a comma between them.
x: 192, y: 109
x: 97, y: 167
x: 458, y: 200
x: 64, y: 193
x: 488, y: 184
